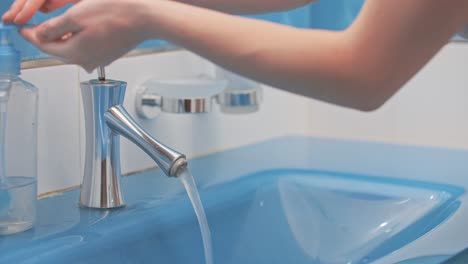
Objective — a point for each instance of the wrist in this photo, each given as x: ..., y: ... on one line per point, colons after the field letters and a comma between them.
x: 142, y: 20
x: 165, y: 19
x: 152, y: 18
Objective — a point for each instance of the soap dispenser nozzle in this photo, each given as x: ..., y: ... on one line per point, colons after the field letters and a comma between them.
x: 101, y: 74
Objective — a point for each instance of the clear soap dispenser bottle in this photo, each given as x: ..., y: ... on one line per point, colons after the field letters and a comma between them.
x: 18, y: 141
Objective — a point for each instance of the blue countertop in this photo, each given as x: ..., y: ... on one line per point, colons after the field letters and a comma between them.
x: 153, y: 198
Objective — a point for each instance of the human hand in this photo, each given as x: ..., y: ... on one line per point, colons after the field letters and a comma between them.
x: 93, y: 33
x: 21, y: 11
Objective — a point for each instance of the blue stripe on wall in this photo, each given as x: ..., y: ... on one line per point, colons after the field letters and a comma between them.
x: 325, y: 14
x: 334, y: 14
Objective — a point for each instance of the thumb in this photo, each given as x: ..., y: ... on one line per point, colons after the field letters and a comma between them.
x: 55, y: 28
x: 29, y: 34
x: 54, y: 48
x: 64, y: 50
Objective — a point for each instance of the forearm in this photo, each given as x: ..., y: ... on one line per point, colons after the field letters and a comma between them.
x: 310, y: 63
x: 248, y: 6
x: 359, y: 68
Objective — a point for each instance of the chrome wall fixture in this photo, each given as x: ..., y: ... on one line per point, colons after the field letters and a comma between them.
x: 190, y: 95
x: 241, y: 96
x: 233, y: 93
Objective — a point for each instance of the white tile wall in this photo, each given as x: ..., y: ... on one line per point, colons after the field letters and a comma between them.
x: 58, y: 137
x: 61, y: 131
x: 196, y: 135
x: 429, y: 110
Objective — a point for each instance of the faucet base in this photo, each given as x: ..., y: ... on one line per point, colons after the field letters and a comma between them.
x: 101, y: 179
x: 100, y: 207
x: 106, y: 120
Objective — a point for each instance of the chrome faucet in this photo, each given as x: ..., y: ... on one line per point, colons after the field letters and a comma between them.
x: 105, y: 120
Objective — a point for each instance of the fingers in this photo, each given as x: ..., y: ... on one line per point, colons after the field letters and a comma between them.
x: 30, y: 35
x: 52, y: 36
x: 63, y: 50
x: 23, y: 10
x: 15, y: 8
x: 27, y: 12
x: 56, y: 29
x: 54, y: 48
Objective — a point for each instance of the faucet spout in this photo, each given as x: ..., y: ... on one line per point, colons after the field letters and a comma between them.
x: 169, y: 160
x: 105, y: 120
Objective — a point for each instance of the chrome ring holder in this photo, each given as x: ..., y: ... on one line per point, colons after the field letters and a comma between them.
x: 181, y: 96
x: 234, y: 94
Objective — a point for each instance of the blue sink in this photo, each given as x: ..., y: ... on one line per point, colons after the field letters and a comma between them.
x: 292, y: 215
x: 426, y: 260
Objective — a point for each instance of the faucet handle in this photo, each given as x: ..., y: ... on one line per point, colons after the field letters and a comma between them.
x: 169, y: 160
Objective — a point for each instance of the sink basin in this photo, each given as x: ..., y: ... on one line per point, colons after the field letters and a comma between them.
x: 275, y: 208
x: 277, y: 216
x: 426, y: 260
x: 294, y: 216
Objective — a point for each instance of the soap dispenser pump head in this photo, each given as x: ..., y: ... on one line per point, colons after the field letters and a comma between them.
x: 10, y: 59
